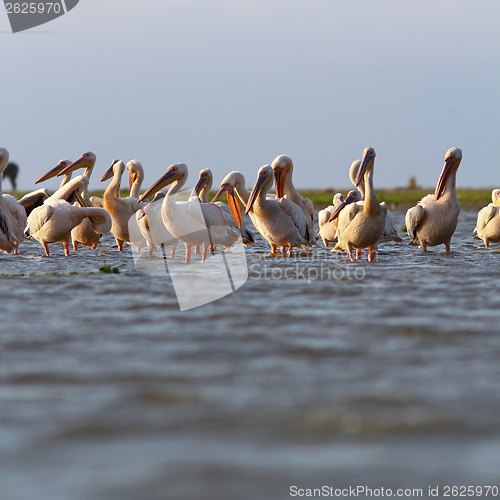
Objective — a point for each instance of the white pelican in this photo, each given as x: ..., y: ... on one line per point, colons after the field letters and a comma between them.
x: 13, y: 210
x: 367, y: 225
x: 283, y: 170
x: 327, y: 229
x: 390, y: 232
x: 120, y: 209
x: 151, y: 225
x: 434, y: 220
x: 84, y: 234
x: 488, y: 221
x: 55, y: 219
x: 280, y: 221
x: 216, y: 213
x: 36, y: 198
x: 185, y: 219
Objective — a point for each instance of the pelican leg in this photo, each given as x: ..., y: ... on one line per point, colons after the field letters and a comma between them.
x: 46, y: 248
x: 197, y: 249
x: 172, y: 252
x: 75, y: 246
x: 188, y: 254
x: 150, y: 250
x: 447, y: 246
x: 212, y: 248
x: 273, y: 249
x: 424, y: 247
x: 204, y: 254
x: 290, y: 251
x: 372, y: 255
x: 120, y: 245
x: 283, y: 249
x: 358, y: 254
x: 66, y: 249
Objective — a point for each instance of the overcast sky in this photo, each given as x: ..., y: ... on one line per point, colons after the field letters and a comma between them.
x: 231, y: 84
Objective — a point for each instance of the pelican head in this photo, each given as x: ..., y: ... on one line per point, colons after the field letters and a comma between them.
x: 495, y: 196
x: 338, y: 199
x: 366, y: 164
x: 204, y: 182
x: 62, y: 165
x: 264, y: 177
x: 135, y: 171
x: 86, y: 161
x: 159, y: 196
x: 4, y: 159
x: 353, y: 196
x: 174, y: 173
x: 282, y: 166
x: 110, y: 171
x: 452, y: 160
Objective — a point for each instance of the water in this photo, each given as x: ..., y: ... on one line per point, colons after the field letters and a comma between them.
x: 110, y: 392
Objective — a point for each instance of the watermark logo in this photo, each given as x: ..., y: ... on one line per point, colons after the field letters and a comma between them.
x: 196, y: 283
x: 26, y: 15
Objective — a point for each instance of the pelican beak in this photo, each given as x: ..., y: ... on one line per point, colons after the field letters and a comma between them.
x: 234, y: 206
x: 130, y: 181
x: 52, y: 173
x: 202, y: 182
x: 447, y: 169
x: 167, y: 179
x: 109, y: 173
x: 366, y: 165
x: 255, y: 191
x: 82, y: 162
x: 351, y: 198
x: 279, y: 179
x: 84, y: 204
x: 219, y: 194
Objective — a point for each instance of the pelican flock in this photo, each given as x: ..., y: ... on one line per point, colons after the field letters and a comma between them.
x: 285, y: 220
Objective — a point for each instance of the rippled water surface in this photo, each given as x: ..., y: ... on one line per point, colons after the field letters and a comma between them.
x: 384, y: 374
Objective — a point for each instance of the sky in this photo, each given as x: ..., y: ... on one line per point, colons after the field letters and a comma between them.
x: 230, y: 85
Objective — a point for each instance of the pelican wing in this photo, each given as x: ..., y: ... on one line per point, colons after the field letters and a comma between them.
x: 5, y: 227
x: 297, y: 215
x: 412, y: 220
x: 33, y: 200
x: 390, y: 232
x: 484, y: 216
x: 17, y: 210
x: 324, y: 215
x: 347, y: 215
x: 39, y: 217
x: 310, y: 207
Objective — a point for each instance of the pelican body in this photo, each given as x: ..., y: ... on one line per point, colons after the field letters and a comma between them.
x: 488, y: 221
x: 56, y: 218
x: 280, y: 221
x: 327, y: 229
x: 283, y: 171
x: 367, y: 225
x: 434, y: 220
x: 13, y: 212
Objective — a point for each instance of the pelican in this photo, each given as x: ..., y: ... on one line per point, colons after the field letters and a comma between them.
x: 217, y: 213
x: 55, y: 219
x: 434, y: 220
x: 488, y: 221
x: 151, y: 225
x: 280, y: 221
x: 185, y: 219
x: 120, y: 209
x: 15, y: 213
x: 327, y: 229
x: 36, y: 198
x: 390, y: 232
x: 283, y: 170
x: 84, y: 234
x: 368, y: 220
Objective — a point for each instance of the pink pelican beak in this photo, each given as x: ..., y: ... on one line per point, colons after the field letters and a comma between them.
x: 232, y: 202
x: 452, y: 160
x: 82, y: 162
x: 62, y: 165
x: 366, y: 164
x: 202, y: 182
x: 261, y: 180
x: 109, y: 172
x: 170, y: 176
